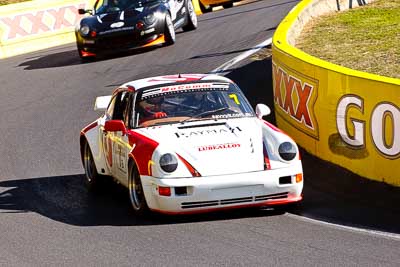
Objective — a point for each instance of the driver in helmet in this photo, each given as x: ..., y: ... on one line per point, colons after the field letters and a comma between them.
x: 151, y: 109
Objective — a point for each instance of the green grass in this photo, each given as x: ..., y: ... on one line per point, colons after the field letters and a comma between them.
x: 6, y: 2
x: 364, y: 38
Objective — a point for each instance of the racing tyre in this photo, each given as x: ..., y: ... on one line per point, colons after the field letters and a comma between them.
x: 228, y: 5
x: 136, y: 193
x: 169, y: 31
x: 92, y: 177
x: 191, y: 17
x: 205, y: 9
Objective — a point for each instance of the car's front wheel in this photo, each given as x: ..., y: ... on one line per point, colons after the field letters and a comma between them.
x: 169, y: 31
x: 92, y: 177
x: 136, y: 193
x: 191, y: 17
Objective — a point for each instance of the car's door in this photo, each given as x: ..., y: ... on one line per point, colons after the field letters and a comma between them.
x: 120, y: 142
x: 107, y: 137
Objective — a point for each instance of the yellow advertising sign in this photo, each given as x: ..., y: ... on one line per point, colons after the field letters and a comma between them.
x: 294, y: 98
x: 347, y: 117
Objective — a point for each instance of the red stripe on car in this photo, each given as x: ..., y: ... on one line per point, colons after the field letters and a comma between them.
x: 142, y: 152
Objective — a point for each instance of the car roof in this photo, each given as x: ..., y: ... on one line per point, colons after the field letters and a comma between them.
x: 152, y: 82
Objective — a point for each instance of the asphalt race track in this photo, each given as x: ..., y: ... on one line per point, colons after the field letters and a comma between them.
x: 47, y: 218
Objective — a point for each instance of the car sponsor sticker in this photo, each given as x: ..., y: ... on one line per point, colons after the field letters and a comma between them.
x: 187, y: 134
x: 118, y: 24
x: 219, y: 147
x: 184, y: 87
x: 117, y: 30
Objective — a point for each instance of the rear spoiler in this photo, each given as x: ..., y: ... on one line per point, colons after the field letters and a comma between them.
x: 102, y: 102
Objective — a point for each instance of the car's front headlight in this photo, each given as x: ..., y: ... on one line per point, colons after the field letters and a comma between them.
x: 150, y: 19
x: 287, y: 151
x: 168, y: 162
x: 84, y: 30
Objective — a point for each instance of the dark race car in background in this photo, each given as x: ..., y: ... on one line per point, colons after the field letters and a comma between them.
x: 124, y: 24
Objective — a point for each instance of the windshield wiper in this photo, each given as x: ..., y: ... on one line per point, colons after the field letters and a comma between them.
x: 208, y: 112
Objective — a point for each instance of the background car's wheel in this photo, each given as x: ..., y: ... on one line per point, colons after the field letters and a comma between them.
x: 205, y: 9
x: 136, y: 193
x: 228, y: 5
x: 92, y: 177
x: 169, y: 31
x: 191, y: 17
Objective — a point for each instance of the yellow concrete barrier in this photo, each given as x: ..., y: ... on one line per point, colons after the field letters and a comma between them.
x: 196, y: 6
x: 347, y: 117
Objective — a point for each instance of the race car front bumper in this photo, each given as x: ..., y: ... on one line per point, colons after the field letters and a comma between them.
x: 203, y: 194
x: 119, y: 43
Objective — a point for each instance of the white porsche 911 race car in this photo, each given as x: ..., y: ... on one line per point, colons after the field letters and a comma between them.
x: 190, y: 143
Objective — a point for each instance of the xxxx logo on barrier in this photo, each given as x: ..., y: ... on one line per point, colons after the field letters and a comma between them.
x: 294, y: 97
x: 18, y: 26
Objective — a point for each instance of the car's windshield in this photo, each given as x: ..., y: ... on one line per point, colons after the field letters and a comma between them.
x: 108, y: 6
x: 188, y: 102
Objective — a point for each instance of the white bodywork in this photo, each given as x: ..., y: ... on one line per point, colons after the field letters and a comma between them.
x: 228, y: 154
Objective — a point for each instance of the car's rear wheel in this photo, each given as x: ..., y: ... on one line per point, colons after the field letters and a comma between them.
x: 191, y: 17
x: 92, y: 177
x: 136, y: 193
x: 228, y: 5
x: 205, y: 9
x: 169, y: 31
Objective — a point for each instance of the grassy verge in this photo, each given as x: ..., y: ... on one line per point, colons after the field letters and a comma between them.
x: 365, y: 38
x: 6, y: 2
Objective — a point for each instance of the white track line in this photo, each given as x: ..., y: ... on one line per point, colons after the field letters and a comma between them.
x: 348, y: 228
x: 226, y: 66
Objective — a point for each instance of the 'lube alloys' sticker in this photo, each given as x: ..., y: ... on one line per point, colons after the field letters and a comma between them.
x: 218, y: 147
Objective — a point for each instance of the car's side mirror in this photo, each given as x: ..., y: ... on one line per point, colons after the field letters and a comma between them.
x: 102, y: 102
x: 115, y: 126
x: 262, y: 110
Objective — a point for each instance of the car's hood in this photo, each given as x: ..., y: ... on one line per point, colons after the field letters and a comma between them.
x: 114, y: 20
x: 214, y: 147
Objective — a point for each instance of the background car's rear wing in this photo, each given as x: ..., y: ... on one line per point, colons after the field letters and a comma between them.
x: 102, y: 102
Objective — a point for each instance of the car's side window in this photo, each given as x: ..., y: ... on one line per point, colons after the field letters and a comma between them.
x: 121, y: 102
x: 134, y: 110
x: 127, y: 113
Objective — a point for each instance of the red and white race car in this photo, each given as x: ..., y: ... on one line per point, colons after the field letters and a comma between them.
x: 190, y: 143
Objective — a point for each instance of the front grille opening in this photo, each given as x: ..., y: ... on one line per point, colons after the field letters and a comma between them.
x: 285, y: 180
x: 272, y: 196
x: 199, y: 204
x: 181, y: 191
x: 250, y: 199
